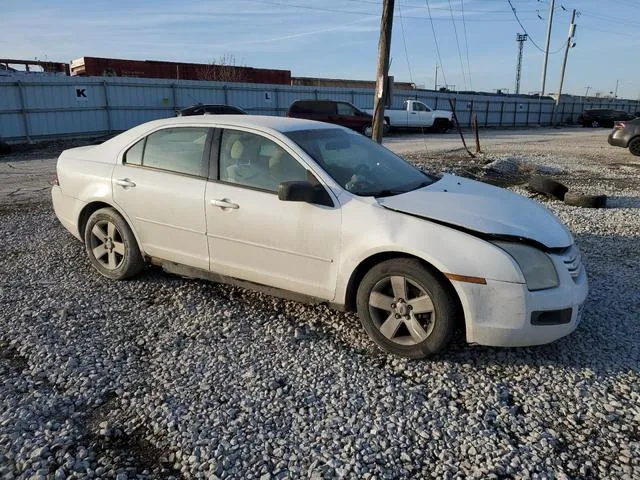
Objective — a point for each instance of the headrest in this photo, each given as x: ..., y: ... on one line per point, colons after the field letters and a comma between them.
x: 236, y: 150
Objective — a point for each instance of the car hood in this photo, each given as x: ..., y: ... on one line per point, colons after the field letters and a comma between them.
x: 482, y: 208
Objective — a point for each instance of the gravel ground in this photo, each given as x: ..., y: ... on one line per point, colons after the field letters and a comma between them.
x: 162, y: 377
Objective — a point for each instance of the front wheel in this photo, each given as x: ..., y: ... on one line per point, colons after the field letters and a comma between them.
x: 634, y: 146
x: 111, y: 245
x: 406, y: 309
x: 441, y: 126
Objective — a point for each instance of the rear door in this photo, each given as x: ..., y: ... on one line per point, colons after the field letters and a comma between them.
x: 160, y: 184
x: 252, y: 235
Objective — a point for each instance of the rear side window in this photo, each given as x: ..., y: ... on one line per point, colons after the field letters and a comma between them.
x: 134, y: 154
x: 179, y: 150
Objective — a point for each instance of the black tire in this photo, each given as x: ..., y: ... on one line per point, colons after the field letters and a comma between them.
x: 436, y: 327
x: 5, y: 149
x: 634, y: 146
x: 585, y: 201
x: 121, y: 258
x: 441, y: 125
x: 548, y: 187
x: 367, y: 130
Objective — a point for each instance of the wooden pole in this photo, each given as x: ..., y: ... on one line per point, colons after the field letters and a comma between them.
x: 455, y: 119
x: 384, y: 47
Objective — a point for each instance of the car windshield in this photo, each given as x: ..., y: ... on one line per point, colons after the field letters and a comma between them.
x: 359, y: 165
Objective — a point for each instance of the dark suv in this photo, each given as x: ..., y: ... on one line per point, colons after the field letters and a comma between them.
x: 603, y: 117
x: 210, y: 109
x: 626, y: 135
x: 330, y: 111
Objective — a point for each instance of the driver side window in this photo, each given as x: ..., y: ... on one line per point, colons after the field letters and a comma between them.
x: 251, y: 160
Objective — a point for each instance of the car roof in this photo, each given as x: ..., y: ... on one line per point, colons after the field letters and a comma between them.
x: 280, y: 124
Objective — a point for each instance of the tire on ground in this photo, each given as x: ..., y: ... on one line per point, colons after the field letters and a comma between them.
x: 441, y: 125
x: 5, y: 149
x: 634, y: 146
x: 547, y: 186
x: 132, y: 262
x: 445, y: 305
x: 585, y: 201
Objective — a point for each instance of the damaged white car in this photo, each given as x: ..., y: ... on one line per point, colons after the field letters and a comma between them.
x: 318, y: 213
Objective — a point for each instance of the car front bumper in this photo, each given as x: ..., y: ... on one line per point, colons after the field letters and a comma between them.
x: 504, y: 314
x: 618, y: 138
x: 67, y: 209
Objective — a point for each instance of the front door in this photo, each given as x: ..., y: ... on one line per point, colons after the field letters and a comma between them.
x: 160, y: 183
x: 255, y: 236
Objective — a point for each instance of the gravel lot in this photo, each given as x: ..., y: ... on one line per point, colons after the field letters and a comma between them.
x: 163, y: 377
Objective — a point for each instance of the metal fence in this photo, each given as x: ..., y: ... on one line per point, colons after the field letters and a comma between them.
x: 33, y: 108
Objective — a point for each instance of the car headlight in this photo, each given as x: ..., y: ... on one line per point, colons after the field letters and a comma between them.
x: 537, y: 267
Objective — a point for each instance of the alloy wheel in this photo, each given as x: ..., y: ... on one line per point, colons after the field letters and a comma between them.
x: 402, y: 310
x: 107, y: 245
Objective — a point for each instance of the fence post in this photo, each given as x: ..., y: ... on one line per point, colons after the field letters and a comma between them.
x: 106, y: 105
x: 562, y: 114
x: 515, y: 112
x: 225, y: 91
x: 486, y: 114
x: 174, y: 97
x: 573, y: 111
x: 528, y: 108
x: 315, y: 92
x: 435, y: 106
x: 470, y: 113
x: 25, y: 121
x: 501, y: 112
x: 276, y: 91
x: 540, y: 112
x: 353, y: 97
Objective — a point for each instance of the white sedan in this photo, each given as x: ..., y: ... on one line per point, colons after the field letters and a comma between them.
x: 315, y: 212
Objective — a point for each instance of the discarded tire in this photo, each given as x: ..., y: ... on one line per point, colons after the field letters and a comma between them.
x: 548, y: 187
x: 5, y: 149
x: 585, y: 201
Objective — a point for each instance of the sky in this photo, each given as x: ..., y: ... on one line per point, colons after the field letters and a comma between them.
x: 339, y: 38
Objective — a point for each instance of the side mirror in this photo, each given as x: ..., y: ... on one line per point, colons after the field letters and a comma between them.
x: 296, y: 191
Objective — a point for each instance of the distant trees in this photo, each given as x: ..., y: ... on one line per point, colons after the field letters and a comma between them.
x: 223, y: 69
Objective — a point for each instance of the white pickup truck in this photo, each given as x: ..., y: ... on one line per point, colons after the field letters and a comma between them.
x: 415, y: 114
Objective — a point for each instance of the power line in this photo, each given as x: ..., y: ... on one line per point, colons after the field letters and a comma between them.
x: 466, y: 43
x: 360, y: 12
x: 404, y: 40
x: 455, y: 30
x: 435, y: 39
x: 513, y: 9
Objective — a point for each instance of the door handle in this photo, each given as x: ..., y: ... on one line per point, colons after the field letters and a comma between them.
x: 125, y: 183
x: 224, y: 204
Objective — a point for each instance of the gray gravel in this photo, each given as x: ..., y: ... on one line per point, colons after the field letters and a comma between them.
x: 162, y: 377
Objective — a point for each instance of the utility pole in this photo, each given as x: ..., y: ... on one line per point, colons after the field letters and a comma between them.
x: 384, y: 46
x: 435, y: 83
x: 552, y: 6
x: 588, y: 87
x: 520, y: 38
x: 615, y: 95
x: 572, y: 32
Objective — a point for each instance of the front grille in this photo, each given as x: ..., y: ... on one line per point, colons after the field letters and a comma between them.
x: 572, y: 259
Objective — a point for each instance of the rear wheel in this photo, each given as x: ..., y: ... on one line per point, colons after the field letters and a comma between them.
x: 406, y: 309
x: 111, y: 245
x: 367, y: 130
x: 595, y: 124
x: 634, y: 146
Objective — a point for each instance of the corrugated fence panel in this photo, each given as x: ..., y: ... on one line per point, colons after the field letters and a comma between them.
x: 51, y: 106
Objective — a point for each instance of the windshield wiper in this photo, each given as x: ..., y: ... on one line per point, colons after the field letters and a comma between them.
x: 387, y: 192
